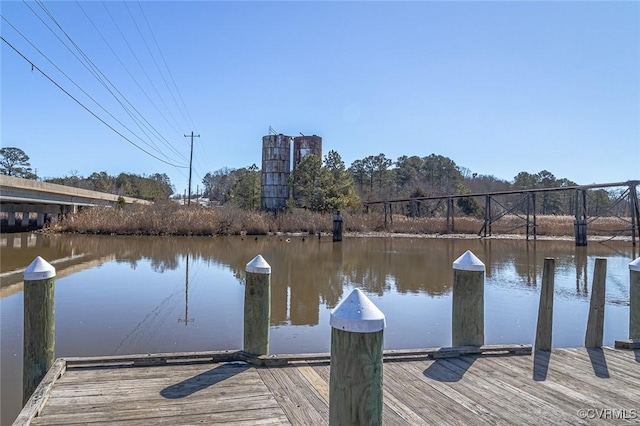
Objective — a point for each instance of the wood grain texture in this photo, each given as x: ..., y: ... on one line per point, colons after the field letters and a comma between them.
x: 355, y: 396
x: 39, y: 333
x: 494, y: 388
x: 257, y: 313
x: 595, y: 322
x: 634, y: 305
x: 544, y: 326
x: 468, y: 308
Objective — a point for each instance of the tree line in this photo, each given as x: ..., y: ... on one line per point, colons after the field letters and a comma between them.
x: 327, y: 184
x: 15, y: 162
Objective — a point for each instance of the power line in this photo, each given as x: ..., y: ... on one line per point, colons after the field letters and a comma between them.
x: 144, y: 40
x: 167, y: 143
x: 142, y: 67
x: 102, y: 81
x: 69, y: 78
x: 34, y: 66
x: 166, y: 65
x: 93, y: 69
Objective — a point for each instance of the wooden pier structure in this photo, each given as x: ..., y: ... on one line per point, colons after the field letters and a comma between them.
x: 522, y: 206
x: 357, y: 383
x: 468, y: 385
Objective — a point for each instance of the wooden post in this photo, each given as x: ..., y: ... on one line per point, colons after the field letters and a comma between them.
x: 634, y: 299
x: 450, y: 215
x: 527, y: 197
x: 355, y: 383
x: 468, y: 301
x: 535, y: 222
x: 257, y: 306
x: 580, y: 229
x: 545, y: 309
x: 384, y: 205
x: 580, y: 224
x: 487, y: 215
x: 635, y: 213
x: 337, y: 226
x: 39, y: 324
x: 595, y: 322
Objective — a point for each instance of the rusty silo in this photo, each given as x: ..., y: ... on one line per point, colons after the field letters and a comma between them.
x: 276, y: 167
x: 305, y: 145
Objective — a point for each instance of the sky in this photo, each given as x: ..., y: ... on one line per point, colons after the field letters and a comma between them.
x: 498, y: 87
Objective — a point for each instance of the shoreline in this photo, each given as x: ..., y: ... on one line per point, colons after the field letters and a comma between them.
x: 386, y: 234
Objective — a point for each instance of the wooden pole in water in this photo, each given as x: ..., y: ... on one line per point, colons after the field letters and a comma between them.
x: 595, y: 322
x: 634, y: 299
x: 337, y: 226
x: 257, y: 306
x: 39, y: 324
x: 545, y: 309
x: 355, y: 383
x: 468, y: 301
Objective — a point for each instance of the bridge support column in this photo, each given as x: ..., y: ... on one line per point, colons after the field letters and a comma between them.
x: 25, y: 216
x: 11, y: 211
x: 40, y: 220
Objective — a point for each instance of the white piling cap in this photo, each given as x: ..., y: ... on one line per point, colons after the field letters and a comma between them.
x: 357, y: 314
x: 39, y: 269
x: 258, y: 266
x: 635, y: 265
x: 468, y: 262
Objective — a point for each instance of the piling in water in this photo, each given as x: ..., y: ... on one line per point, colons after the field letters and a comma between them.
x: 39, y: 324
x: 257, y: 306
x: 468, y: 301
x: 355, y: 388
x: 545, y: 309
x: 595, y: 322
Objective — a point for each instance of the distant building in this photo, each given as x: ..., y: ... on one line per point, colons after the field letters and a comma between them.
x: 276, y: 166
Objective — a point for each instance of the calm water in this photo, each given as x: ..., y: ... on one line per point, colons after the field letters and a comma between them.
x: 123, y: 295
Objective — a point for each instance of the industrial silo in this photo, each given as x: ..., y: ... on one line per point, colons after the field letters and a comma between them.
x: 276, y: 167
x: 303, y: 146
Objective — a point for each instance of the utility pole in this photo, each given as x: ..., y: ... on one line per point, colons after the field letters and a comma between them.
x: 190, y: 162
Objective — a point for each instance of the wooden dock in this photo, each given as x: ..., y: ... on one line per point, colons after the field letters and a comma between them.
x: 468, y: 385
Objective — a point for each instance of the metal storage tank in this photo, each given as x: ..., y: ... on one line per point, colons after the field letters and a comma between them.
x: 305, y: 145
x: 276, y: 167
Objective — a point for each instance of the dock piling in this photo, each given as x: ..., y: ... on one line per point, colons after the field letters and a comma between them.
x: 634, y: 299
x: 468, y: 301
x: 580, y: 228
x: 355, y: 383
x: 545, y: 309
x: 39, y: 324
x: 337, y: 226
x: 257, y: 306
x: 595, y: 322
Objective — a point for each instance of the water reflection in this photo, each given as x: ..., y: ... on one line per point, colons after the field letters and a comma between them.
x: 117, y: 295
x: 307, y: 272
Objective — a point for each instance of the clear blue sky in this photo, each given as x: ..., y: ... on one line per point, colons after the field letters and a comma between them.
x: 498, y: 87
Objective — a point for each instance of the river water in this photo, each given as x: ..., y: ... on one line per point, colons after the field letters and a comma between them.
x: 124, y: 295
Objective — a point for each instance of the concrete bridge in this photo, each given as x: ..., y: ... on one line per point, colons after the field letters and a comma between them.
x: 25, y: 196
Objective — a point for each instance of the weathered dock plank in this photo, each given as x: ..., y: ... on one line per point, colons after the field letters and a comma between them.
x: 495, y: 388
